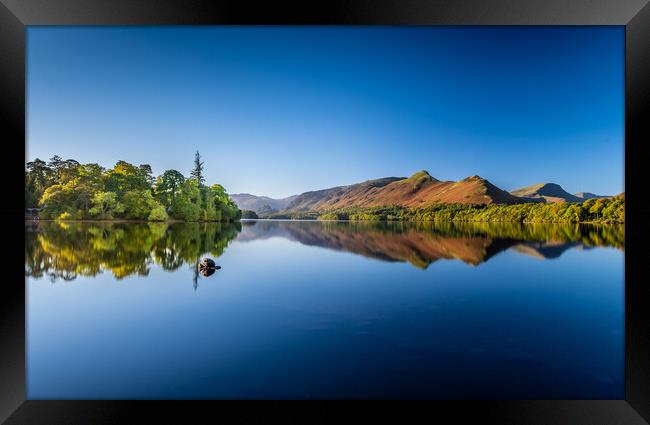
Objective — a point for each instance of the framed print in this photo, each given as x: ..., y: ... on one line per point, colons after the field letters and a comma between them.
x: 232, y: 203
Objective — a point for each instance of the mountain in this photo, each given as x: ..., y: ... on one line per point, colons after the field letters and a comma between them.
x: 260, y: 204
x: 549, y: 192
x: 419, y: 190
x: 588, y: 195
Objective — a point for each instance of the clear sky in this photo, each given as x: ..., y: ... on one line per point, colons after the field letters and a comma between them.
x: 279, y: 111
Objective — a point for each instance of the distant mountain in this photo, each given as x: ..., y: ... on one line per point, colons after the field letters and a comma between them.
x: 588, y: 195
x: 419, y: 190
x: 260, y: 204
x: 549, y: 192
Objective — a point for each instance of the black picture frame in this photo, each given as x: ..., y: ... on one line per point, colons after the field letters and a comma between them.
x: 15, y: 15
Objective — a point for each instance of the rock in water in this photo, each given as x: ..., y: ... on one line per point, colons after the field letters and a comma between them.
x: 205, y: 272
x: 208, y: 263
x: 207, y: 267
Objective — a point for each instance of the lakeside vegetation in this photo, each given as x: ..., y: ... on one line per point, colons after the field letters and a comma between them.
x: 249, y: 215
x: 68, y: 190
x: 601, y: 210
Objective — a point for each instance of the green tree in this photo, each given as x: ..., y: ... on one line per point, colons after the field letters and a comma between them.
x: 68, y: 171
x: 56, y: 163
x: 88, y: 190
x: 55, y: 200
x: 31, y: 193
x: 138, y: 204
x: 597, y: 208
x: 168, y: 186
x: 197, y: 172
x: 187, y: 205
x: 124, y: 177
x: 147, y: 173
x: 87, y: 180
x: 40, y: 174
x: 106, y: 206
x: 158, y: 213
x: 228, y: 209
x: 248, y: 214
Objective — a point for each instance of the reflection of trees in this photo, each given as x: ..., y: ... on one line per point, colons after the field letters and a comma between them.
x: 588, y: 235
x: 66, y: 250
x: 423, y: 243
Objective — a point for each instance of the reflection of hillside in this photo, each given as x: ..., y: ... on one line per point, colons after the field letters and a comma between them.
x: 254, y: 230
x: 416, y: 247
x: 546, y: 250
x: 66, y: 250
x: 423, y: 243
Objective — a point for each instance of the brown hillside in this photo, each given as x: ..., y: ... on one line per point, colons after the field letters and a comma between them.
x: 547, y: 192
x: 419, y: 190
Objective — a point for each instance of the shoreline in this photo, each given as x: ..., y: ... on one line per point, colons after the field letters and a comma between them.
x: 592, y: 223
x: 121, y: 220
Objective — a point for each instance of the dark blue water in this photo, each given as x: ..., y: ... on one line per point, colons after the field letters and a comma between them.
x: 324, y: 310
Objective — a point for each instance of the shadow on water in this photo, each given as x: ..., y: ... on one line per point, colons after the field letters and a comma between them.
x: 65, y: 250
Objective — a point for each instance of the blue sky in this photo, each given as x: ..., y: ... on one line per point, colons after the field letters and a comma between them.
x: 279, y: 111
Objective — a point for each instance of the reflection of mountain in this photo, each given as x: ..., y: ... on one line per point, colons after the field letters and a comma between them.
x: 546, y: 250
x: 417, y: 248
x: 422, y: 244
x: 66, y: 250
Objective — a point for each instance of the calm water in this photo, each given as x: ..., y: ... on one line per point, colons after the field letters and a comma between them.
x: 324, y: 310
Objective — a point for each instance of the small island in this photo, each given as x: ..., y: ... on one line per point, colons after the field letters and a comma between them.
x: 68, y: 190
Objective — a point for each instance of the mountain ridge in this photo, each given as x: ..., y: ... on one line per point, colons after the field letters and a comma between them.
x: 418, y: 190
x: 549, y: 192
x: 553, y: 192
x: 588, y: 195
x: 260, y: 204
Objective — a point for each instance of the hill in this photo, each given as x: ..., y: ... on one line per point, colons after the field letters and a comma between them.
x: 549, y: 192
x: 260, y: 204
x: 588, y: 195
x: 419, y: 190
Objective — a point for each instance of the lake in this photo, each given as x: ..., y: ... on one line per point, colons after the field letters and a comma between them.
x: 307, y: 309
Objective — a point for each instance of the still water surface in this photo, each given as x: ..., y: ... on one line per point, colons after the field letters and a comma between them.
x: 324, y: 310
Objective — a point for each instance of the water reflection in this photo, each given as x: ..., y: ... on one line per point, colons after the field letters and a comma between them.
x: 67, y: 250
x: 421, y: 244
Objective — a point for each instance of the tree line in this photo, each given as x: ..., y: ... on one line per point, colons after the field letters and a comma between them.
x: 601, y: 210
x: 69, y: 190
